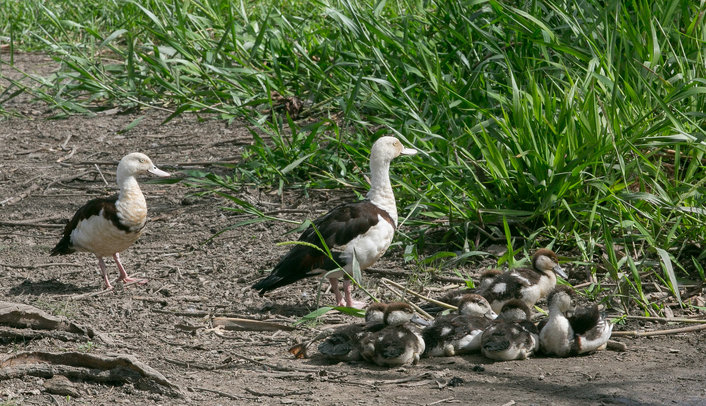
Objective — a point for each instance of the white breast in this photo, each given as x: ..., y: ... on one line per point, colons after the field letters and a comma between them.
x: 556, y: 337
x: 369, y: 247
x: 98, y: 235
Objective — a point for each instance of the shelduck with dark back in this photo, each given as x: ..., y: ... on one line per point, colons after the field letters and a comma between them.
x: 108, y: 226
x: 364, y: 229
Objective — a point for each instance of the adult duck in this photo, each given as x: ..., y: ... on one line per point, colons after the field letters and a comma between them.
x: 363, y: 229
x: 107, y: 226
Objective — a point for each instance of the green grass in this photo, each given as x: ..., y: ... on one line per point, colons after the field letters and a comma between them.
x: 578, y: 124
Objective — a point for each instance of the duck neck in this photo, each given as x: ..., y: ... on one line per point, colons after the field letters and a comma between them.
x: 380, y: 192
x: 131, y: 202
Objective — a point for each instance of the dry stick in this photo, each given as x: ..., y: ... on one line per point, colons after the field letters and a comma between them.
x: 40, y: 265
x: 27, y: 224
x: 256, y: 393
x: 420, y: 296
x: 68, y: 179
x: 392, y: 272
x: 441, y: 401
x: 401, y: 295
x: 224, y: 394
x: 667, y: 319
x: 658, y: 332
x: 101, y: 174
x: 25, y: 193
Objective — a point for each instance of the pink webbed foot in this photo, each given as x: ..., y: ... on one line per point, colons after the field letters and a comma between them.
x: 123, y: 275
x: 349, y: 301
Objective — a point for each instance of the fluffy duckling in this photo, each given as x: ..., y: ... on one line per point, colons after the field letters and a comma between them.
x: 364, y: 228
x: 453, y: 297
x: 108, y: 226
x: 526, y: 284
x: 584, y: 331
x: 455, y: 334
x: 399, y: 343
x: 512, y: 335
x: 345, y: 343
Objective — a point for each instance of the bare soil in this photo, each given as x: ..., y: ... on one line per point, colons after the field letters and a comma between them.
x: 47, y: 171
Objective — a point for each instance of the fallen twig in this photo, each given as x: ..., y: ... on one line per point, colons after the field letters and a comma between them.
x: 37, y: 266
x: 237, y: 324
x: 420, y: 296
x: 101, y: 174
x: 658, y: 332
x: 256, y: 393
x: 667, y: 319
x: 405, y: 274
x: 224, y: 394
x: 68, y: 178
x: 25, y: 193
x: 402, y: 296
x: 32, y: 223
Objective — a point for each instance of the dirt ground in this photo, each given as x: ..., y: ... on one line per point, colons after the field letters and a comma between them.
x: 48, y: 169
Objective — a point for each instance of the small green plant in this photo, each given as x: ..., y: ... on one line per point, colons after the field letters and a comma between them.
x: 86, y: 347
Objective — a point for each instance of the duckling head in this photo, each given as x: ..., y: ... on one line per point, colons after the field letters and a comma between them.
x: 545, y: 260
x: 560, y: 299
x: 397, y: 314
x: 515, y: 310
x: 487, y: 277
x: 475, y: 305
x: 375, y: 313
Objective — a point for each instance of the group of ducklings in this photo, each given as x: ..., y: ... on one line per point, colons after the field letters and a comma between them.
x: 494, y: 320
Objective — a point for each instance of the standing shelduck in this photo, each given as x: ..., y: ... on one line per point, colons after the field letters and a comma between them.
x: 108, y: 226
x: 364, y: 229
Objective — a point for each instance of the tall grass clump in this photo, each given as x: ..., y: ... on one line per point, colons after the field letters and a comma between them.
x: 578, y: 123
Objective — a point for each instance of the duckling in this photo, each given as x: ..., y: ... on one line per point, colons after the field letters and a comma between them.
x: 460, y: 333
x: 453, y: 297
x: 399, y: 343
x: 345, y: 343
x: 584, y: 331
x: 512, y: 335
x: 526, y: 284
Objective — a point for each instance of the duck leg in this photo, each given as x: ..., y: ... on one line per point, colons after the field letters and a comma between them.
x: 123, y: 275
x: 347, y: 286
x: 336, y: 291
x: 104, y: 272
